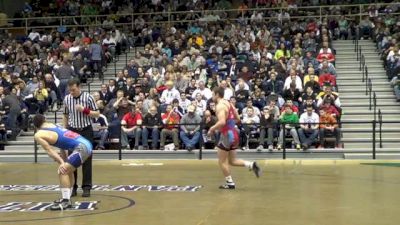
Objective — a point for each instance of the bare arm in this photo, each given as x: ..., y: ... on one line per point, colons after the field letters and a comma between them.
x: 50, y: 151
x: 65, y: 120
x: 221, y: 118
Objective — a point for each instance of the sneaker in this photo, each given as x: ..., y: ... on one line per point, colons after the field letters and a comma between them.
x: 279, y: 147
x: 86, y: 193
x: 298, y: 147
x: 305, y: 147
x: 270, y: 147
x: 74, y: 192
x: 61, y: 205
x: 260, y: 148
x: 244, y: 148
x: 256, y: 169
x: 227, y: 186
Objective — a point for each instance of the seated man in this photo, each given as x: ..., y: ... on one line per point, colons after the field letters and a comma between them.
x: 268, y: 119
x: 190, y: 128
x: 49, y: 135
x: 170, y: 120
x: 327, y: 93
x: 152, y: 122
x: 250, y: 123
x: 208, y: 121
x: 100, y: 130
x: 327, y: 78
x: 309, y: 123
x: 131, y: 123
x: 290, y: 119
x: 328, y: 126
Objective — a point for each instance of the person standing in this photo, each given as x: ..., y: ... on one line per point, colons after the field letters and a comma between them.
x: 79, y: 110
x: 229, y: 139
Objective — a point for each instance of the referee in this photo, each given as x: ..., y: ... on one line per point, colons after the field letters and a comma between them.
x: 79, y: 108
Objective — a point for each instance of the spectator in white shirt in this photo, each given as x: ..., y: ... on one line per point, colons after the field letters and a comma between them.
x: 309, y: 124
x: 169, y: 94
x: 201, y: 104
x: 296, y: 79
x: 184, y: 102
x: 205, y: 92
x: 228, y: 93
x: 34, y: 35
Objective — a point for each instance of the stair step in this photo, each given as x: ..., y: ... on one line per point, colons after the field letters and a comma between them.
x: 356, y: 111
x: 363, y: 96
x: 355, y: 71
x: 340, y: 66
x: 360, y: 83
x: 349, y: 53
x: 365, y: 101
x: 365, y: 139
x: 369, y: 129
x: 339, y: 58
x: 391, y: 146
x: 341, y: 79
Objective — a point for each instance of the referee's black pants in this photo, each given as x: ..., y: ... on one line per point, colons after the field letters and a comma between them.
x: 87, y: 133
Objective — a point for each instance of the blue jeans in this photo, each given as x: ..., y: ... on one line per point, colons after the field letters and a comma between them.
x: 103, y: 135
x: 155, y: 134
x: 308, y: 136
x: 137, y: 133
x: 190, y: 140
x: 63, y: 87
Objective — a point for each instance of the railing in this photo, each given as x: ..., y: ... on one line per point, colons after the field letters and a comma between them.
x: 174, y: 17
x: 380, y: 119
x: 368, y: 90
x: 284, y: 150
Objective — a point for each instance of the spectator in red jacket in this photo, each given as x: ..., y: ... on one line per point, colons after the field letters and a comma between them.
x: 329, y: 108
x: 131, y: 123
x: 327, y: 78
x: 170, y: 120
x: 326, y: 53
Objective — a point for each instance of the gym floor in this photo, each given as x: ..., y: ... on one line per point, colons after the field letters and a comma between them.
x: 289, y: 192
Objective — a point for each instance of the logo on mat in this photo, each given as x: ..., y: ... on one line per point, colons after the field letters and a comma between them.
x: 43, y: 206
x: 150, y: 188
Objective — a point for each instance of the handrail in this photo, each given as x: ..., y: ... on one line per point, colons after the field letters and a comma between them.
x: 64, y: 20
x: 361, y: 60
x: 374, y: 98
x: 368, y: 84
x: 369, y: 90
x: 380, y: 118
x: 284, y: 155
x: 278, y: 8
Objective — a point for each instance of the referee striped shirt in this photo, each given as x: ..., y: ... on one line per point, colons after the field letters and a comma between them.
x: 77, y: 119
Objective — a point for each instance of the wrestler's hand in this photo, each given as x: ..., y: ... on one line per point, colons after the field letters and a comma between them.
x: 62, y: 169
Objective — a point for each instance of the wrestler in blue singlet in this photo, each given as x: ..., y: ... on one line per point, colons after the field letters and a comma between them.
x: 68, y: 140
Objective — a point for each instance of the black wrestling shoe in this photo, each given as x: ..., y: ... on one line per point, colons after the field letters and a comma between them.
x: 86, y: 193
x: 74, y: 192
x: 61, y: 205
x: 227, y: 186
x: 256, y: 169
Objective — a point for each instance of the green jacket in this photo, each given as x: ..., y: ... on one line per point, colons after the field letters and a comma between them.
x: 290, y: 118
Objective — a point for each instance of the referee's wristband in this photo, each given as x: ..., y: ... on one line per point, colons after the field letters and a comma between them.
x: 86, y: 111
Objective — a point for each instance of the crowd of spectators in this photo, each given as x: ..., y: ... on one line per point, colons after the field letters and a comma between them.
x: 274, y: 72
